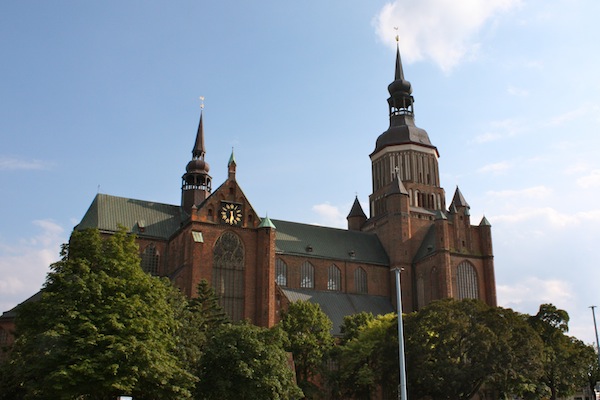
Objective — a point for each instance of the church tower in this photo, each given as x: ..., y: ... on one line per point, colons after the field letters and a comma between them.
x: 196, y: 183
x: 404, y: 151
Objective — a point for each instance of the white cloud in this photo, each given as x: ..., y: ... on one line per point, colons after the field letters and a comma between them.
x: 534, y: 192
x: 441, y: 30
x: 527, y: 294
x: 24, y: 265
x: 330, y: 215
x: 514, y: 91
x: 495, y: 168
x: 592, y: 180
x: 11, y: 163
x: 501, y: 129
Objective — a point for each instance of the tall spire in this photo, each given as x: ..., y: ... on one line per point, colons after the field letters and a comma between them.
x: 196, y: 183
x: 198, y: 151
x: 400, y: 101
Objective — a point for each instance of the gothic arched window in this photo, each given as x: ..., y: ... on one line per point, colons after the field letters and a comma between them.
x: 307, y: 275
x: 334, y: 278
x: 360, y: 280
x: 150, y: 258
x: 466, y: 281
x: 280, y: 272
x: 3, y: 338
x: 434, y: 284
x: 228, y: 274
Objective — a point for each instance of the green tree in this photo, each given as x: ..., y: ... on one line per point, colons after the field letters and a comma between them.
x: 353, y: 324
x: 518, y: 351
x: 309, y: 339
x: 198, y: 316
x: 369, y: 360
x: 566, y: 359
x: 245, y: 362
x: 102, y: 327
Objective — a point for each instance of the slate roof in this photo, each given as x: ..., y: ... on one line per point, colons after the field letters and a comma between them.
x: 144, y: 218
x: 324, y: 242
x: 337, y: 305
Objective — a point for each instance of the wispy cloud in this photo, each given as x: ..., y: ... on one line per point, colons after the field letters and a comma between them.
x: 519, y: 92
x: 495, y: 168
x: 527, y: 294
x: 439, y: 30
x: 502, y: 129
x: 591, y: 180
x: 534, y: 192
x: 24, y: 264
x: 12, y: 163
x: 330, y: 215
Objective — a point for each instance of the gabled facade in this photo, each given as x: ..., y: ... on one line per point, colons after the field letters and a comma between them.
x: 257, y: 266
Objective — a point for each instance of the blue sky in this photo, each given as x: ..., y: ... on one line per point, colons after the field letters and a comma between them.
x: 103, y: 96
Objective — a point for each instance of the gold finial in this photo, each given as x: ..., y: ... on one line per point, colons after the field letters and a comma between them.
x: 201, y: 102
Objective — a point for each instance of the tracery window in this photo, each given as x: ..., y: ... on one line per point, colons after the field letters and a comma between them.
x: 360, y: 280
x: 307, y: 275
x: 228, y: 274
x: 420, y: 292
x: 466, y: 281
x: 334, y: 278
x: 150, y: 258
x: 280, y: 272
x: 434, y: 284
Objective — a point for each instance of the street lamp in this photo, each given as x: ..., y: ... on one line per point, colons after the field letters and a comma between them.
x: 596, y: 329
x: 402, y: 387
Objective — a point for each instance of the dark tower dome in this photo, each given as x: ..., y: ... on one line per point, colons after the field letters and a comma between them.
x: 197, y: 165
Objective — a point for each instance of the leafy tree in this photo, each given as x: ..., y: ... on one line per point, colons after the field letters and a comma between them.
x: 198, y: 316
x: 352, y: 325
x: 309, y: 339
x: 369, y: 360
x: 566, y: 359
x: 102, y: 327
x: 245, y: 362
x: 518, y: 352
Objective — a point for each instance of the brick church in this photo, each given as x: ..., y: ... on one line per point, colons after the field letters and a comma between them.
x: 258, y: 265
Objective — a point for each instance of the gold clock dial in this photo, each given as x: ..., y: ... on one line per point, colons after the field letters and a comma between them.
x: 231, y: 213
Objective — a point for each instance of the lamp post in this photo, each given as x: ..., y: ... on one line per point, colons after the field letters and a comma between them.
x: 596, y: 329
x: 402, y: 386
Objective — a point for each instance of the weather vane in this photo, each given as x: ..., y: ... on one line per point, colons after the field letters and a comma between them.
x: 397, y: 38
x: 201, y: 102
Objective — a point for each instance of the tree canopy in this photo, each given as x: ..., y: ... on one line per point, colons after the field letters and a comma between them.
x: 245, y: 362
x: 102, y: 328
x: 308, y: 332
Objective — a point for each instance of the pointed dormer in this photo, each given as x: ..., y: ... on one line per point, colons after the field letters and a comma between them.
x: 196, y: 183
x: 459, y: 202
x: 356, y: 218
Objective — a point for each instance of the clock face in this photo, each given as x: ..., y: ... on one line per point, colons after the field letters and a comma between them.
x: 231, y: 213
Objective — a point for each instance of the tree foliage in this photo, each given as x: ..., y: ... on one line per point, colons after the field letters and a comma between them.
x: 102, y: 328
x: 245, y: 362
x: 566, y: 360
x: 308, y: 332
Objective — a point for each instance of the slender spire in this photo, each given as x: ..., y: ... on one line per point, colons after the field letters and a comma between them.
x: 198, y: 151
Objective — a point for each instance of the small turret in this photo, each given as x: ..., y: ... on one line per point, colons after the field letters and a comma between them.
x: 356, y: 218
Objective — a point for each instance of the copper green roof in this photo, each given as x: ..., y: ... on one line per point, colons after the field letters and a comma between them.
x: 266, y: 223
x: 322, y: 242
x: 144, y: 218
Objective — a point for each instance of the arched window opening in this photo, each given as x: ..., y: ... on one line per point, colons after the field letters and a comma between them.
x: 360, y: 280
x: 150, y: 258
x: 334, y: 278
x: 466, y: 281
x: 307, y: 275
x: 280, y: 272
x: 228, y: 274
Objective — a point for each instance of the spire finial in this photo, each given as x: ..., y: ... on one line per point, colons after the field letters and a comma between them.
x: 397, y: 37
x: 201, y: 102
